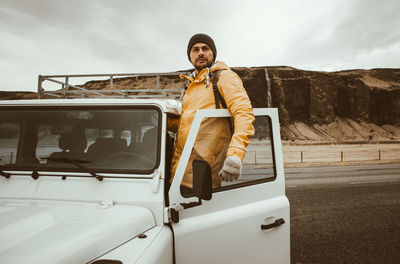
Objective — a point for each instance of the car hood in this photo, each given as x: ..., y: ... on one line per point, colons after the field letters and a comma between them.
x: 62, y: 232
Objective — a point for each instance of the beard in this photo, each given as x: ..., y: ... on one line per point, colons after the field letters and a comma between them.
x: 202, y: 66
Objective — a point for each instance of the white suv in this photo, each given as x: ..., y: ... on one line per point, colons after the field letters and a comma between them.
x: 88, y: 181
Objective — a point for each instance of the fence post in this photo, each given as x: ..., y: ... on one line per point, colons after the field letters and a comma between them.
x: 255, y: 157
x: 379, y: 154
x: 341, y: 156
x: 301, y: 156
x: 67, y: 83
x: 40, y: 83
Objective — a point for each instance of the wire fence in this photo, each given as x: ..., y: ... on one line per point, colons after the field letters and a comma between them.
x: 348, y: 153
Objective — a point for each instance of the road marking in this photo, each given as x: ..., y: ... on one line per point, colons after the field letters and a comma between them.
x: 371, y: 182
x: 291, y: 186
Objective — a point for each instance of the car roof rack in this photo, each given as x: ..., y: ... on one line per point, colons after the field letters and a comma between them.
x: 110, y: 90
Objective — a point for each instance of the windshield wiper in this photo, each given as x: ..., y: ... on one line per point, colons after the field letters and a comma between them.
x: 34, y: 175
x: 5, y: 174
x: 77, y: 162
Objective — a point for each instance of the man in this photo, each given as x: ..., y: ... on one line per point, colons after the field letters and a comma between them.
x: 214, y: 142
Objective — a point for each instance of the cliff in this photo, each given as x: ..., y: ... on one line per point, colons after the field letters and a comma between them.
x: 344, y: 106
x: 354, y: 105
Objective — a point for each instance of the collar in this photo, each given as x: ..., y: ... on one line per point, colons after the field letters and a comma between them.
x: 194, y: 75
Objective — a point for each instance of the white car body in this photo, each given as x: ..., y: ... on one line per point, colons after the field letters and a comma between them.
x: 68, y: 216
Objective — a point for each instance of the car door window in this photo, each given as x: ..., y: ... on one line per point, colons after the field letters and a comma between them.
x: 258, y: 163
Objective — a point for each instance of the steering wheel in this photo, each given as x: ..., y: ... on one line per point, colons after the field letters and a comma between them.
x: 140, y: 159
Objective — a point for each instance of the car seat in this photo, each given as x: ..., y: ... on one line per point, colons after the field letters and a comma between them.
x: 73, y: 147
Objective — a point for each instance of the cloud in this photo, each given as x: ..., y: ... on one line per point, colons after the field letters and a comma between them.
x: 345, y: 31
x: 69, y: 37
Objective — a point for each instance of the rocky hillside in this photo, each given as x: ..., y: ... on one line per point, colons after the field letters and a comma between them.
x: 17, y: 95
x: 355, y: 105
x: 345, y: 106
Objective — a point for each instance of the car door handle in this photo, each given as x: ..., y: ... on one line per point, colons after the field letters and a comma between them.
x: 277, y: 222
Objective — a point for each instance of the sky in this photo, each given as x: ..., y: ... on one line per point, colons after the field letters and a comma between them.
x: 52, y: 37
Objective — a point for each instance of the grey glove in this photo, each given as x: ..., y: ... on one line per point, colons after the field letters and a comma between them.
x: 231, y: 169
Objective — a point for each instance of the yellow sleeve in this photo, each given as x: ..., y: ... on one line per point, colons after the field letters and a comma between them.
x: 238, y: 103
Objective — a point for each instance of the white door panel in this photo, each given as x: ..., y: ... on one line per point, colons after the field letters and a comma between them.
x: 234, y: 235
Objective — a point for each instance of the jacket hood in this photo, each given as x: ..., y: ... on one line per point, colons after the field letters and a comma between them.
x: 61, y: 232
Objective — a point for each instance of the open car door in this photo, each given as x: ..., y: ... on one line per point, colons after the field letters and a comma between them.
x: 246, y: 221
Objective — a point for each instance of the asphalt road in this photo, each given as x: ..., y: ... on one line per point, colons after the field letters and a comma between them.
x: 345, y: 214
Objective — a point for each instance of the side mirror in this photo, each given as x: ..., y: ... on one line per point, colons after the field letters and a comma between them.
x: 202, y: 180
x: 202, y: 188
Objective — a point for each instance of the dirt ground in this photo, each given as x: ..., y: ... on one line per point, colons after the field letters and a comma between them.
x: 303, y: 155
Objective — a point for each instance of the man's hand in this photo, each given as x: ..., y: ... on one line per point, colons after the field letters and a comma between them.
x: 231, y: 169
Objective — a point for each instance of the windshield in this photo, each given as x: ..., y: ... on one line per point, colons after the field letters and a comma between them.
x: 115, y: 140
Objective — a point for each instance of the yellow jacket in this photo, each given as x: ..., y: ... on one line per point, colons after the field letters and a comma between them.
x: 213, y: 142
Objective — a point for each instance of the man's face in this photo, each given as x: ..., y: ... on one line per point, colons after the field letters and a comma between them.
x: 201, y: 56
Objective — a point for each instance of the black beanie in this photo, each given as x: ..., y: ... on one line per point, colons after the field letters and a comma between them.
x: 202, y: 38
